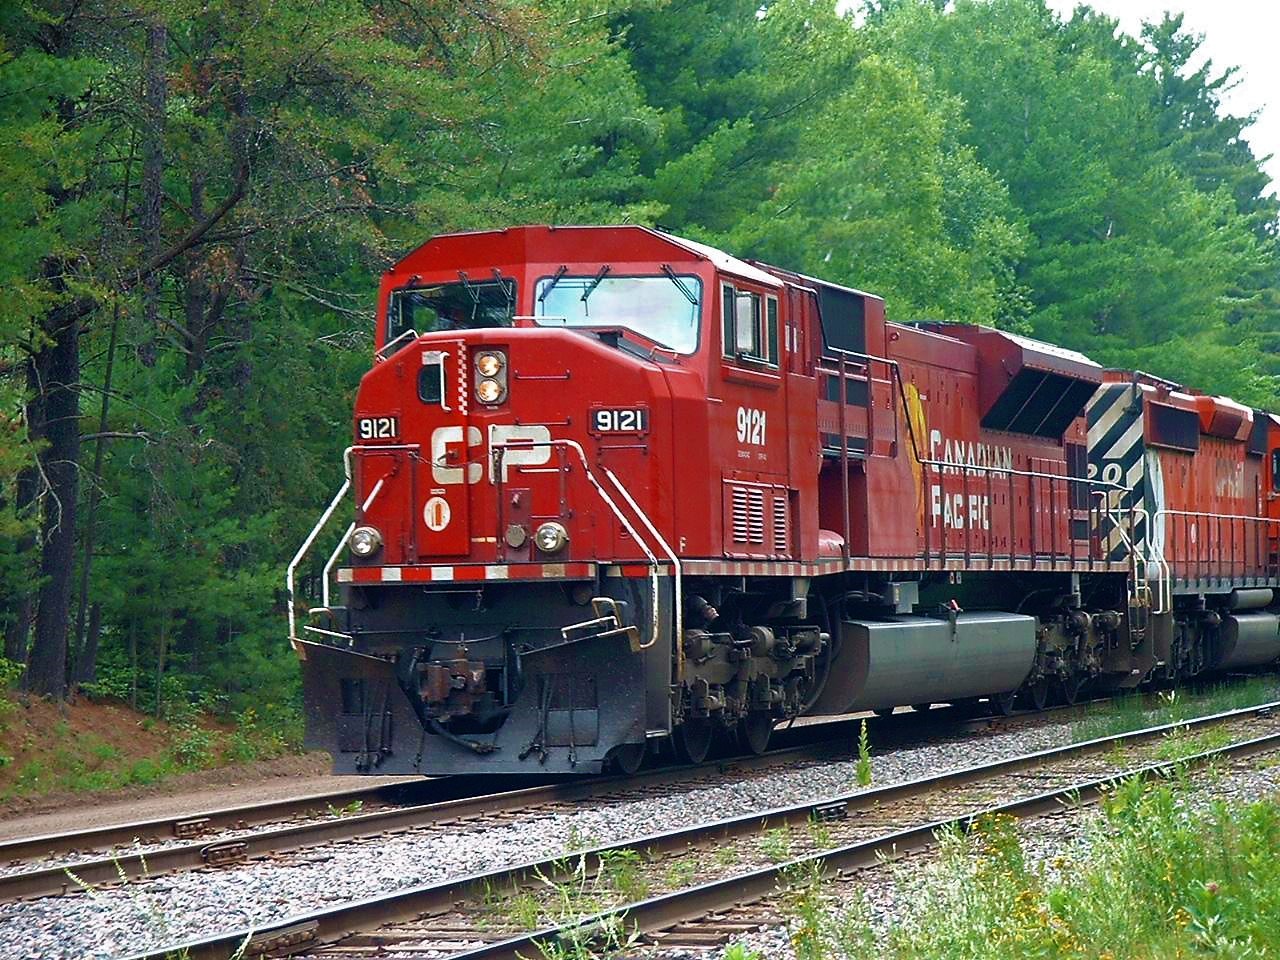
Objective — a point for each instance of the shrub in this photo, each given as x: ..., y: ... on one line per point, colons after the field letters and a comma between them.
x: 194, y: 747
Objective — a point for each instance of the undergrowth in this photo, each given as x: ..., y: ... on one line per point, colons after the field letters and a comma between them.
x: 1158, y: 875
x: 1135, y: 711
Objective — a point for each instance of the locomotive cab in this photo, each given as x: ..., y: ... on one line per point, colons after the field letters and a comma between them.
x: 538, y: 397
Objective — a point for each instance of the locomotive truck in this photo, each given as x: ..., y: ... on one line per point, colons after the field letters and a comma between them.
x: 614, y: 491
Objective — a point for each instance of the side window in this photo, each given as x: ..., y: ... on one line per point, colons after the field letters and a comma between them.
x: 727, y: 335
x: 749, y: 325
x: 1275, y: 469
x: 771, y: 329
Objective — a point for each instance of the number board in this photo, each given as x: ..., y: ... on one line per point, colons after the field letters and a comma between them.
x: 378, y: 428
x: 620, y: 420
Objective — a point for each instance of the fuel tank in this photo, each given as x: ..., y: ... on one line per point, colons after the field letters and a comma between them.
x: 901, y: 660
x: 1249, y: 640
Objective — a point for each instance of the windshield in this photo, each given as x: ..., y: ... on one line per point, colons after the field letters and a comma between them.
x: 665, y: 308
x: 451, y: 306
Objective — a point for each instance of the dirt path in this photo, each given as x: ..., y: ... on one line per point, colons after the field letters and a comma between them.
x: 188, y: 793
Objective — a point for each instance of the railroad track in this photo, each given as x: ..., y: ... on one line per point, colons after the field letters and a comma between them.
x: 229, y: 835
x: 471, y: 918
x: 328, y: 824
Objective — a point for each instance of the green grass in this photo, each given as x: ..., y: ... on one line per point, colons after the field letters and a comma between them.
x: 1157, y: 877
x: 1135, y: 711
x: 87, y: 763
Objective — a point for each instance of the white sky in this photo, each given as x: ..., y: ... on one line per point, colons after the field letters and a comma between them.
x: 1240, y: 33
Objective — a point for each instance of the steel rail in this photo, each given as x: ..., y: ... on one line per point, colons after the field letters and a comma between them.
x: 63, y: 878
x: 311, y: 931
x: 181, y: 825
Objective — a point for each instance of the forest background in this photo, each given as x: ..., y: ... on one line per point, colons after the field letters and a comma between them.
x: 197, y: 197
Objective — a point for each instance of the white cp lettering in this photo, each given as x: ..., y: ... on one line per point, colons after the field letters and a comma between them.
x: 443, y: 474
x: 527, y: 446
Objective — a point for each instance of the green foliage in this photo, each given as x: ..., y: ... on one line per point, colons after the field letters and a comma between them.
x: 1136, y: 711
x: 1162, y: 875
x: 863, y: 770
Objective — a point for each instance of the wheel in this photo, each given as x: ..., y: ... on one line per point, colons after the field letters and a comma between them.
x: 1070, y: 688
x: 693, y: 740
x: 754, y: 731
x: 626, y: 759
x: 921, y: 707
x: 884, y: 711
x: 1003, y: 702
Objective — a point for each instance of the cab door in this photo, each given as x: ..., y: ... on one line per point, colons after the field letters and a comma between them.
x: 757, y: 502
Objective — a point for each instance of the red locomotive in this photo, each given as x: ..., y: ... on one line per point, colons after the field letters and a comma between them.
x: 615, y: 489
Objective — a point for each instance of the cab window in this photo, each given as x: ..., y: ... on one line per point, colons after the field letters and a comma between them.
x: 451, y: 306
x: 749, y: 325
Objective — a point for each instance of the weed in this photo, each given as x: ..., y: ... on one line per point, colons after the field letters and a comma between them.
x: 579, y: 840
x: 776, y: 844
x: 1181, y: 743
x: 576, y: 895
x: 620, y: 870
x: 194, y: 747
x: 820, y: 833
x: 523, y: 910
x: 863, y: 770
x: 346, y: 810
x: 680, y: 873
x: 1135, y: 711
x: 726, y: 856
x: 803, y: 900
x: 736, y: 951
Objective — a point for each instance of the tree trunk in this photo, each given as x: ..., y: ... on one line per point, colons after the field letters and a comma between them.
x: 81, y: 670
x: 153, y: 110
x: 88, y: 667
x: 59, y: 366
x: 19, y: 628
x: 133, y: 662
x: 162, y: 648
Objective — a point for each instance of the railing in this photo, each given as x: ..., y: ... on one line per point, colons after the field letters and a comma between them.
x: 498, y: 452
x: 1046, y: 514
x: 291, y: 570
x: 1210, y: 563
x: 836, y: 362
x: 381, y: 353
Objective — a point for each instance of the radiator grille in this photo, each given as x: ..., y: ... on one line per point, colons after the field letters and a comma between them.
x: 781, y: 534
x: 748, y: 515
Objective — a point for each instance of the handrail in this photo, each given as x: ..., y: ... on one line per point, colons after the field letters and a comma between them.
x: 1162, y: 564
x: 675, y: 561
x: 609, y: 502
x: 302, y: 552
x: 378, y: 355
x: 324, y: 520
x: 963, y: 470
x: 328, y: 567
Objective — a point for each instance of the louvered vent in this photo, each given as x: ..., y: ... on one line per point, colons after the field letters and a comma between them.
x: 748, y: 515
x: 781, y: 534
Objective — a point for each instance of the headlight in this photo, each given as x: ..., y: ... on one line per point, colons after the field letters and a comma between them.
x: 551, y: 537
x: 489, y: 391
x: 489, y: 364
x: 365, y: 541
